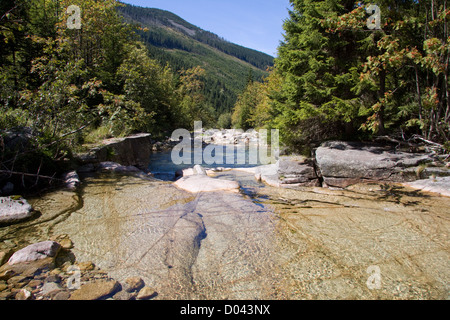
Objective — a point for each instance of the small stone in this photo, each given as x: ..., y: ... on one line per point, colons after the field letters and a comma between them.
x: 5, y: 255
x: 37, y: 251
x: 3, y: 286
x: 6, y: 275
x: 66, y: 243
x: 18, y: 281
x: 86, y: 266
x: 95, y: 290
x: 133, y: 284
x: 50, y: 287
x: 62, y: 295
x: 6, y: 295
x: 146, y: 293
x: 24, y: 294
x: 35, y: 283
x: 123, y: 295
x: 53, y: 278
x: 14, y: 210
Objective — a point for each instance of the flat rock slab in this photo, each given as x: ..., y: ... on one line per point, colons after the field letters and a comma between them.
x: 37, y: 251
x: 203, y: 183
x: 12, y: 210
x: 440, y: 185
x: 133, y: 150
x: 345, y: 163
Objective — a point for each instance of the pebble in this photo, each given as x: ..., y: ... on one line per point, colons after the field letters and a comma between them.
x: 95, y: 290
x: 47, y: 279
x: 146, y: 293
x: 86, y: 266
x: 133, y: 284
x: 24, y: 295
x: 62, y: 295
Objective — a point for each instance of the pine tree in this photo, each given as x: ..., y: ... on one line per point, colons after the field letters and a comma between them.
x: 319, y: 68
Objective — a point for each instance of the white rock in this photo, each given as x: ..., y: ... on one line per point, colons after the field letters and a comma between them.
x: 14, y: 210
x: 203, y: 183
x: 198, y: 169
x: 35, y: 252
x: 71, y: 180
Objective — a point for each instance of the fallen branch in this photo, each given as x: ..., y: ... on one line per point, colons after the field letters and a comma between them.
x: 414, y: 137
x: 29, y: 175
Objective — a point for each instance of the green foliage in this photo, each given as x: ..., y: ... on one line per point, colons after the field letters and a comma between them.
x: 173, y: 41
x: 335, y: 78
x: 75, y: 86
x: 224, y: 121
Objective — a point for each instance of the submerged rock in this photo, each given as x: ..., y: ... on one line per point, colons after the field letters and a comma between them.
x: 14, y: 210
x: 196, y: 180
x: 95, y: 290
x: 202, y: 183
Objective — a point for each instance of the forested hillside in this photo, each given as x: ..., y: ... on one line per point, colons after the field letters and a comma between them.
x: 170, y: 39
x: 72, y: 72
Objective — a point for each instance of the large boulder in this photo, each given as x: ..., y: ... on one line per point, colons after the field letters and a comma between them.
x: 345, y: 163
x: 289, y: 171
x: 34, y: 252
x: 14, y: 210
x: 297, y: 170
x: 134, y: 150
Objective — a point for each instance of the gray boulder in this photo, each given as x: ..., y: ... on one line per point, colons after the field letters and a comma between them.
x: 297, y: 170
x: 134, y: 150
x: 344, y: 163
x: 14, y: 210
x: 289, y: 171
x: 34, y: 252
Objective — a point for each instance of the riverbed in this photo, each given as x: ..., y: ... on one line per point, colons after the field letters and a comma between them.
x: 370, y: 241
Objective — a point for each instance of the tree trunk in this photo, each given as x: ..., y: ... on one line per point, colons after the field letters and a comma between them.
x: 380, y: 113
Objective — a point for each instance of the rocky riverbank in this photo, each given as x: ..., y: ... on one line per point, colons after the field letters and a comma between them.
x: 125, y: 235
x: 340, y: 164
x: 49, y: 271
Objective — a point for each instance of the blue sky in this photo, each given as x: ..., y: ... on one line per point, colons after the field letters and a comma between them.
x: 255, y: 24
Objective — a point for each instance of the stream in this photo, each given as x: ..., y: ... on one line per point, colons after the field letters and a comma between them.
x: 370, y: 241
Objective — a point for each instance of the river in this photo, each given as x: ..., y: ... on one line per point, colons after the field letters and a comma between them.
x: 370, y: 241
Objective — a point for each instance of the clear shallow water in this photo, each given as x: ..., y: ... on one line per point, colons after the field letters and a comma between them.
x: 305, y: 243
x: 163, y: 168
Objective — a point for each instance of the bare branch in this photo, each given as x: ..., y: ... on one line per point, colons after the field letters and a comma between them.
x: 29, y: 175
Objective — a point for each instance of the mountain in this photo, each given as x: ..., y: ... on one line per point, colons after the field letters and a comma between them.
x: 182, y: 45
